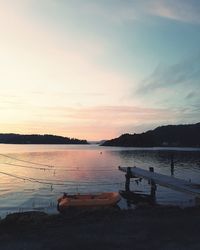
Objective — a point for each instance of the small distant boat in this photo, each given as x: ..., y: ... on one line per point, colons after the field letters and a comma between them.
x: 88, y: 200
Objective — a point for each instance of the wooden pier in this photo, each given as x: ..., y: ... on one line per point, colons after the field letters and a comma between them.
x: 162, y: 180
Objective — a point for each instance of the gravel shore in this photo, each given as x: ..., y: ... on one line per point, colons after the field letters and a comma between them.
x: 143, y: 228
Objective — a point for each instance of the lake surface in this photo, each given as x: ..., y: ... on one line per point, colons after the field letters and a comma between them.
x: 32, y: 177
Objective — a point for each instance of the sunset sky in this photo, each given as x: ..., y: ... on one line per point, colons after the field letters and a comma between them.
x: 95, y: 69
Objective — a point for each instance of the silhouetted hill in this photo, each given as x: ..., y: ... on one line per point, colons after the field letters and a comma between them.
x: 167, y: 136
x: 38, y: 139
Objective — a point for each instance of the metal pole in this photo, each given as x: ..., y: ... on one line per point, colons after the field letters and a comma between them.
x: 128, y: 176
x: 153, y: 186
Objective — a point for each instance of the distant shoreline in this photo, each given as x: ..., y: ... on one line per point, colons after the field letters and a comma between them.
x: 39, y: 139
x: 12, y: 143
x: 164, y: 136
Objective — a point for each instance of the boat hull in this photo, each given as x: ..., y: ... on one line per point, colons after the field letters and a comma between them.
x: 86, y: 201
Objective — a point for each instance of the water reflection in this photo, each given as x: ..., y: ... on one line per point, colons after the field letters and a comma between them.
x: 85, y: 169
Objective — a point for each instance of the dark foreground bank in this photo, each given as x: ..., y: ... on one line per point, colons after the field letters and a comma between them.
x: 144, y: 228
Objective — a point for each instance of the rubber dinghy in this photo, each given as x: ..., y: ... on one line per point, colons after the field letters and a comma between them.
x: 88, y: 200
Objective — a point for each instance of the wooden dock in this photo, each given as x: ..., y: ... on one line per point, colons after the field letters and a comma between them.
x: 164, y: 180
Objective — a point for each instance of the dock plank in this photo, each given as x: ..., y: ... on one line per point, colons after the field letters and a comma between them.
x: 166, y: 181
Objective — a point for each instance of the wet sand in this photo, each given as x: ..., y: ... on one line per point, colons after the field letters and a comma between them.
x: 143, y: 228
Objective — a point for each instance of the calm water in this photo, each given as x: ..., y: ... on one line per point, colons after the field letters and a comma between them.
x: 27, y: 186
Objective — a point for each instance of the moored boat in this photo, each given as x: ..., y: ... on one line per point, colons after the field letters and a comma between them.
x: 88, y: 200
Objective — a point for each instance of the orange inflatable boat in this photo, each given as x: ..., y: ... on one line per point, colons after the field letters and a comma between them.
x: 88, y: 200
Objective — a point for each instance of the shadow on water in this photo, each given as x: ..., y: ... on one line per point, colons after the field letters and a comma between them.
x: 137, y: 198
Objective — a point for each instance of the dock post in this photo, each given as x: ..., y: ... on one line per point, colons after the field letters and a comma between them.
x: 153, y: 186
x: 128, y: 176
x: 151, y: 169
x: 172, y: 165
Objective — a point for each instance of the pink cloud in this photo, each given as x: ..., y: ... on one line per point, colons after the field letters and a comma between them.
x: 180, y: 10
x: 88, y: 122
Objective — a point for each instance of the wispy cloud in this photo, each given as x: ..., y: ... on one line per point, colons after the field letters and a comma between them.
x: 37, y: 57
x: 85, y: 122
x: 192, y: 95
x: 122, y: 11
x: 175, y: 87
x: 180, y: 10
x: 184, y: 74
x: 65, y: 66
x: 113, y: 11
x: 94, y: 122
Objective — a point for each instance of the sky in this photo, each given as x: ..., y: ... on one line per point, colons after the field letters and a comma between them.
x: 96, y: 69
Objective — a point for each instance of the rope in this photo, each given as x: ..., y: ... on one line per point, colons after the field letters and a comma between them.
x: 60, y: 169
x: 60, y: 182
x: 21, y: 166
x: 50, y: 167
x: 34, y: 163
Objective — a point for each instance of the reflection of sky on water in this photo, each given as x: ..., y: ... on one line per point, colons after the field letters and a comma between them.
x: 93, y: 164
